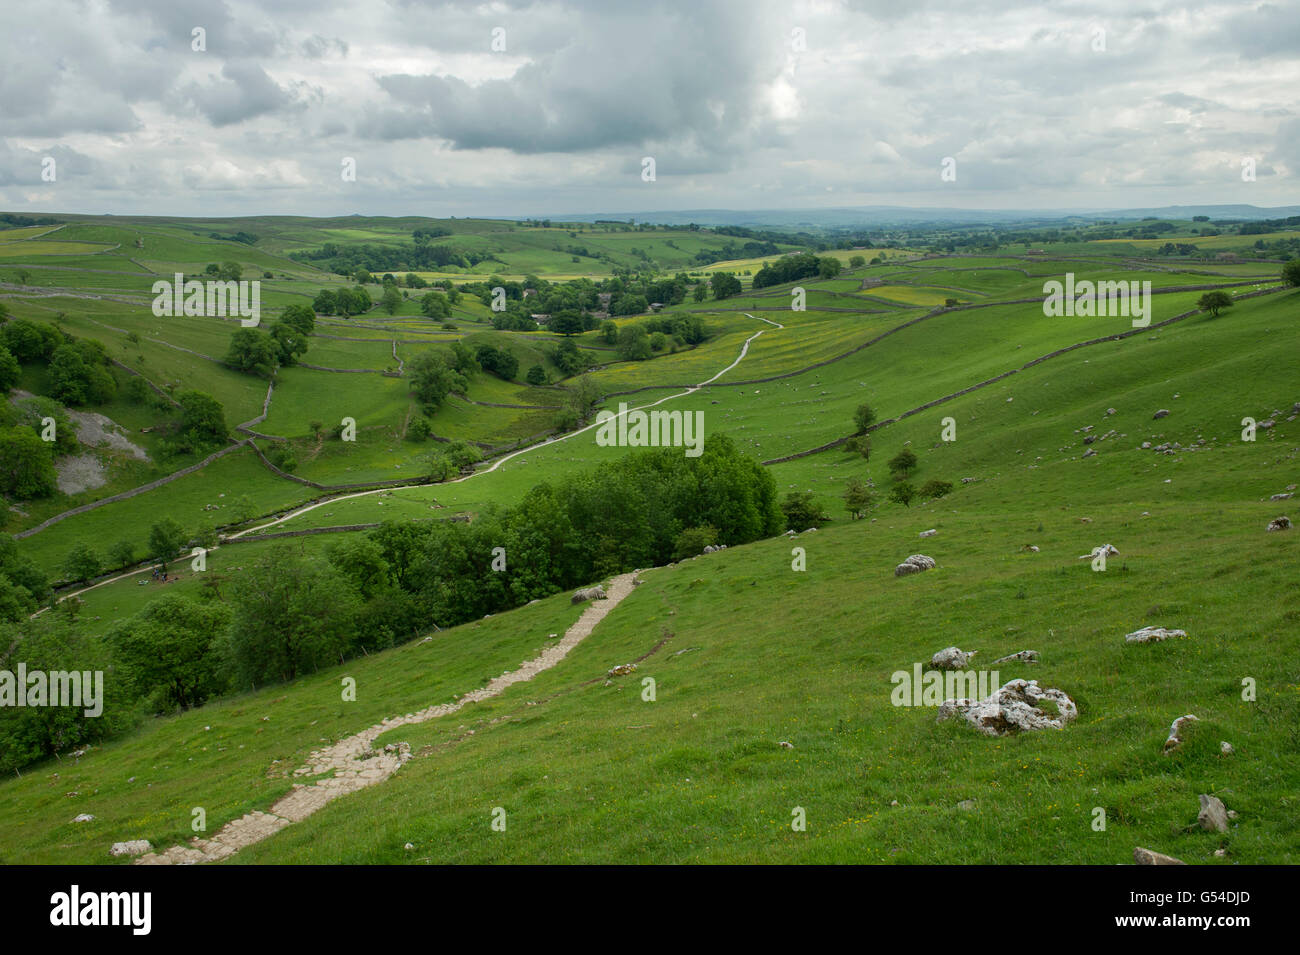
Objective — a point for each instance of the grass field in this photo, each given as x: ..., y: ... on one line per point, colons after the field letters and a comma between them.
x: 746, y: 652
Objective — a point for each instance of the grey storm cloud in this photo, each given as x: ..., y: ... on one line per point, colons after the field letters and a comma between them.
x: 243, y: 92
x: 732, y: 111
x: 589, y: 93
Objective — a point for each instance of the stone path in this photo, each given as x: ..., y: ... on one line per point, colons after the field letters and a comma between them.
x: 354, y: 762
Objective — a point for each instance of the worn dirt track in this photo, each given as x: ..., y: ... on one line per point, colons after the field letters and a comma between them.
x: 355, y: 764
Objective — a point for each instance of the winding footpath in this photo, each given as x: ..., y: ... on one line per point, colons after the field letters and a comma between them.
x: 353, y: 763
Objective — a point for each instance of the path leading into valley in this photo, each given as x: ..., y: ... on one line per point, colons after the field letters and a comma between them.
x: 744, y: 350
x: 353, y: 763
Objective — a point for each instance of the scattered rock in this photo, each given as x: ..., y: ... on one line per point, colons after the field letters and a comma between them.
x: 589, y: 593
x: 1226, y: 748
x: 1090, y: 453
x: 84, y: 817
x: 1152, y: 635
x: 966, y: 804
x: 1107, y: 549
x: 1111, y: 411
x: 1162, y: 413
x: 786, y: 744
x: 409, y: 847
x: 134, y: 847
x: 1024, y: 656
x: 930, y: 533
x: 950, y: 658
x: 1213, y: 816
x: 914, y: 565
x: 1148, y: 857
x: 1279, y: 497
x: 1176, y: 732
x: 623, y: 669
x: 1279, y: 524
x: 1030, y: 548
x: 1012, y: 707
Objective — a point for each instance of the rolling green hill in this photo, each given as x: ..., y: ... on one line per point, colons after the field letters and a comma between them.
x: 772, y: 685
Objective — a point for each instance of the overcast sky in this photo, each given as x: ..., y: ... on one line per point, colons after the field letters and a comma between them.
x: 742, y: 105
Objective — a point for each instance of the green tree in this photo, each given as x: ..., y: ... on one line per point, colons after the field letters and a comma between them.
x: 566, y: 321
x: 290, y: 616
x: 432, y: 379
x: 802, y: 511
x: 253, y: 352
x: 902, y: 464
x: 391, y: 300
x: 863, y: 418
x: 300, y: 317
x: 536, y: 375
x: 1214, y: 303
x: 634, y: 343
x: 170, y: 650
x: 203, y: 420
x: 122, y: 554
x: 10, y: 370
x: 609, y: 332
x: 82, y: 562
x: 289, y: 343
x: 857, y: 497
x: 693, y: 540
x: 1291, y: 272
x: 435, y: 305
x: 902, y: 493
x: 26, y: 465
x: 934, y: 488
x: 166, y: 538
x: 725, y: 285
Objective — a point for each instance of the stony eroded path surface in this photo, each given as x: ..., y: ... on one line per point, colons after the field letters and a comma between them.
x: 354, y: 762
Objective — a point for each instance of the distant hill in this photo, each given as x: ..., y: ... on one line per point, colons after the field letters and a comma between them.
x: 847, y: 217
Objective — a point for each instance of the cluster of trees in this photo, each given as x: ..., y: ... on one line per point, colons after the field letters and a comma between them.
x: 259, y: 351
x: 78, y: 368
x: 645, y: 339
x: 226, y: 271
x: 287, y: 615
x: 567, y: 357
x: 422, y: 255
x: 345, y: 301
x: 792, y: 268
x: 498, y: 361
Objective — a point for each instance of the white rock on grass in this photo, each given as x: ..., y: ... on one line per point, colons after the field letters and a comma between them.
x: 1011, y: 708
x: 1213, y: 816
x: 930, y: 533
x: 1107, y: 549
x: 1152, y: 635
x: 1024, y: 656
x: 590, y: 593
x: 1148, y: 857
x: 1279, y: 524
x: 914, y: 565
x: 951, y: 658
x: 1226, y: 748
x: 1176, y: 732
x: 84, y: 817
x: 133, y: 847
